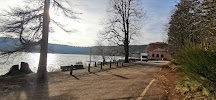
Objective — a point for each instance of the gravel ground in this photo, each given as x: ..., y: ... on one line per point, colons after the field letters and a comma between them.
x: 126, y: 82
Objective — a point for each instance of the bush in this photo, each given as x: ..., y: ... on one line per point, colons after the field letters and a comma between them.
x: 188, y: 85
x: 79, y: 63
x: 198, y: 64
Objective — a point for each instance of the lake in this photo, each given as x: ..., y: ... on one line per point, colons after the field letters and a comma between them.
x: 54, y: 61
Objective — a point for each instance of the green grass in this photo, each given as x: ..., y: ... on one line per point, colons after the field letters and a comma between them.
x: 186, y: 85
x: 90, y: 66
x: 199, y: 67
x: 194, y: 90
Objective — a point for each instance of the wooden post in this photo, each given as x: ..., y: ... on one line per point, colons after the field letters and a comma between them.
x: 71, y: 70
x: 101, y: 65
x: 122, y: 64
x: 95, y: 64
x: 117, y: 64
x: 89, y: 68
x: 110, y: 64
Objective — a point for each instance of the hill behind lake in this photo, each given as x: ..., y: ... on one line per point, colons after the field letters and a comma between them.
x: 7, y: 43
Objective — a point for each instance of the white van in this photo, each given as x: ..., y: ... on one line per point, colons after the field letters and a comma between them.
x: 144, y: 57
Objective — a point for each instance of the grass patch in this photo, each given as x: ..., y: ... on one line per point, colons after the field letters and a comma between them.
x: 16, y: 75
x: 173, y: 66
x: 57, y: 70
x: 186, y: 85
x: 90, y: 66
x: 79, y: 63
x: 199, y: 67
x: 194, y: 89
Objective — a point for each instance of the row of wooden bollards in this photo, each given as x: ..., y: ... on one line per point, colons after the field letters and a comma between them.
x: 101, y: 66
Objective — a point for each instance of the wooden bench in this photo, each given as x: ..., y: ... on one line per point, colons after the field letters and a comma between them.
x: 78, y: 67
x: 67, y: 68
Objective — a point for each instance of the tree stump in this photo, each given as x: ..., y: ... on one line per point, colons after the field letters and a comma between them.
x: 25, y: 68
x: 13, y: 70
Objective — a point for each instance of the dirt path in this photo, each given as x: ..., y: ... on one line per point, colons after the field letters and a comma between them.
x: 127, y: 82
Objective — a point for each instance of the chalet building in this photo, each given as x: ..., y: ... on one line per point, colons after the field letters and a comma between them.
x: 159, y: 51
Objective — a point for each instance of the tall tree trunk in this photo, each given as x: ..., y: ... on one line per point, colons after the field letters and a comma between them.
x: 127, y: 40
x: 126, y: 47
x: 126, y: 51
x: 42, y: 70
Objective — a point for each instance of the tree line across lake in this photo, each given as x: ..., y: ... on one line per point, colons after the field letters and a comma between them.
x: 66, y: 49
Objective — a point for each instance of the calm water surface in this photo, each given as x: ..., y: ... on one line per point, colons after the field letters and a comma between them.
x: 54, y: 61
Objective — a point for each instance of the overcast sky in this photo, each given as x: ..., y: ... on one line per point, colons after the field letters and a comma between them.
x: 85, y: 29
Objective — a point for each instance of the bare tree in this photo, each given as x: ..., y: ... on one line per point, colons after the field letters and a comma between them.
x: 114, y: 51
x: 101, y: 50
x: 107, y: 51
x: 124, y: 17
x: 180, y: 25
x: 30, y: 24
x: 193, y: 21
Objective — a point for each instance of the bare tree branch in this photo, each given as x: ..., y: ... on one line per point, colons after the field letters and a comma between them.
x: 123, y: 22
x: 30, y: 24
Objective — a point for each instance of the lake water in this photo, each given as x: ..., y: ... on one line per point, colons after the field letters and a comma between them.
x: 54, y: 61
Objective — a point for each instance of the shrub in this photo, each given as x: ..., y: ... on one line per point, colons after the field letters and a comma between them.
x: 79, y: 63
x: 198, y: 64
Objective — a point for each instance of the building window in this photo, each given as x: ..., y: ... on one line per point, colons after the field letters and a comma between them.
x: 153, y: 55
x: 157, y: 55
x: 162, y: 55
